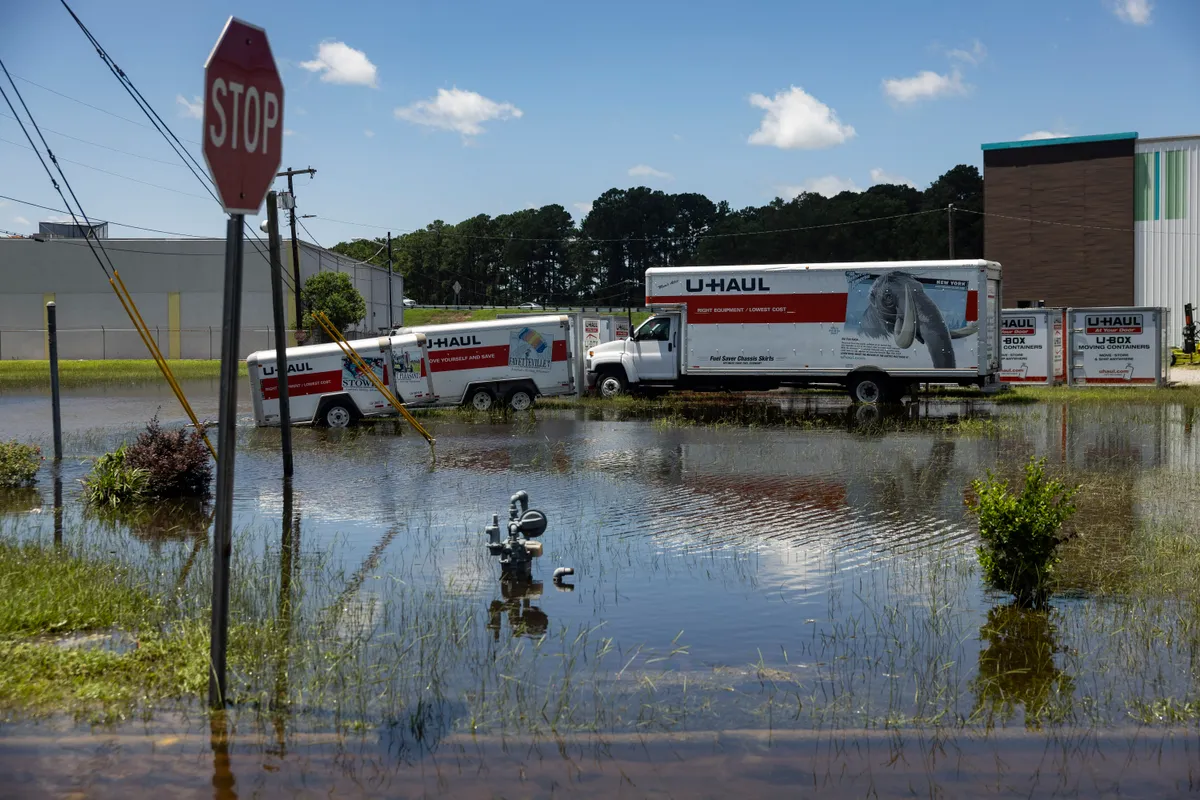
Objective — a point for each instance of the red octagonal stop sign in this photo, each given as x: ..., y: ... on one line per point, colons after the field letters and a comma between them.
x: 243, y: 117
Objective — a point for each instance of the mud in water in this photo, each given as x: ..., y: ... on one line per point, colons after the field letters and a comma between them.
x: 770, y: 594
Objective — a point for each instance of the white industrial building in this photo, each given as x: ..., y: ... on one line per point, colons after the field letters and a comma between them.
x: 177, y: 286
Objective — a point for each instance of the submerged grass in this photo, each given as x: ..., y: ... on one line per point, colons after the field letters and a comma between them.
x: 30, y: 374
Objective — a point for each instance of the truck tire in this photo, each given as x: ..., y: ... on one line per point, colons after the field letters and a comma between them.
x: 481, y: 399
x: 872, y: 388
x: 338, y: 414
x: 611, y: 384
x: 519, y: 399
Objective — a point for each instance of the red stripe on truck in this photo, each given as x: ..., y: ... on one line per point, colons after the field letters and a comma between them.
x: 312, y: 383
x: 716, y: 309
x: 764, y: 308
x: 558, y: 352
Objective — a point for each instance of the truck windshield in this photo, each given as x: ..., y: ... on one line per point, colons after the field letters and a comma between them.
x: 656, y: 329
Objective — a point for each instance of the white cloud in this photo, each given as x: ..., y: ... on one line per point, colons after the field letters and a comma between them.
x: 288, y: 132
x: 1029, y: 137
x: 370, y: 134
x: 795, y: 120
x: 827, y: 186
x: 583, y: 208
x: 925, y: 85
x: 21, y: 221
x: 974, y: 56
x: 1135, y: 12
x: 646, y: 171
x: 193, y: 109
x: 338, y: 62
x: 677, y: 137
x: 879, y: 176
x: 458, y: 110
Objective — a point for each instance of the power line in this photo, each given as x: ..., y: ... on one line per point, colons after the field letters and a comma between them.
x: 645, y: 239
x: 108, y: 221
x: 89, y: 105
x: 102, y: 146
x: 113, y: 174
x: 1073, y: 224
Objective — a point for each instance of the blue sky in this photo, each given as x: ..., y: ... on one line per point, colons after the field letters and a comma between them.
x: 413, y: 111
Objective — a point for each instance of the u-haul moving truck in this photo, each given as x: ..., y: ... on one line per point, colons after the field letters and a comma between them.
x: 327, y: 388
x: 509, y: 361
x: 876, y: 328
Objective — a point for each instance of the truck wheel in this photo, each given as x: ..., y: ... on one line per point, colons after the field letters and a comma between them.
x: 520, y: 400
x: 871, y: 389
x: 611, y: 384
x: 481, y: 399
x: 338, y: 415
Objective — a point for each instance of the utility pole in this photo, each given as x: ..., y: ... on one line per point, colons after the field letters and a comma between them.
x: 281, y: 371
x: 390, y: 322
x: 951, y: 209
x: 288, y: 173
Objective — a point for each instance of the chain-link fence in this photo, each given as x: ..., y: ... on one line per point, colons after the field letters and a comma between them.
x: 103, y: 342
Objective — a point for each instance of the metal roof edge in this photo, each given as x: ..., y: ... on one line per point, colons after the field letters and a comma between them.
x: 1101, y: 137
x: 1161, y: 139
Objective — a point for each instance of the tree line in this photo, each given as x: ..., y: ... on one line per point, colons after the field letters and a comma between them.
x: 542, y: 255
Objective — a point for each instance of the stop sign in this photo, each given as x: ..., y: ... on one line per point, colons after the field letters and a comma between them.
x: 243, y: 116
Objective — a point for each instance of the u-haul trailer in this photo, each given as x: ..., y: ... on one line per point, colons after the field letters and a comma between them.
x: 327, y: 388
x: 1119, y: 346
x: 1033, y: 346
x: 510, y: 361
x: 877, y: 328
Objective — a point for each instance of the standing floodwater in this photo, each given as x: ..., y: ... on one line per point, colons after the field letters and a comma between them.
x: 782, y: 582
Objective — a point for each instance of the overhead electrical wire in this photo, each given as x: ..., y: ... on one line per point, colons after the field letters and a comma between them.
x: 102, y: 146
x: 114, y: 277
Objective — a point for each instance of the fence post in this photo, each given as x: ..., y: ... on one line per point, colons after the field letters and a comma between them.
x: 210, y: 342
x: 55, y: 406
x: 103, y: 344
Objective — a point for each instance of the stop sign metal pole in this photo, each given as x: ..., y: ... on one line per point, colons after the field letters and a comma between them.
x: 243, y: 142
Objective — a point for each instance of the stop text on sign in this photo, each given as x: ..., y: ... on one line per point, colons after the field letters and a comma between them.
x: 252, y: 114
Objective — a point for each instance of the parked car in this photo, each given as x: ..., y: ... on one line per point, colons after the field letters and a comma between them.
x: 410, y: 303
x: 529, y: 306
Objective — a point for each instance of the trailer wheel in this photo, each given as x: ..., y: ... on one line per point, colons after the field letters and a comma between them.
x: 611, y: 384
x: 481, y: 399
x: 871, y: 389
x: 520, y: 399
x: 338, y: 415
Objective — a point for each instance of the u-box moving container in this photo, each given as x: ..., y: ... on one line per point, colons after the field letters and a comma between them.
x: 1119, y: 346
x: 1033, y: 346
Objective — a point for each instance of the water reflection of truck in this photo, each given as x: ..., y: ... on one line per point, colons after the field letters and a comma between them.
x: 878, y: 329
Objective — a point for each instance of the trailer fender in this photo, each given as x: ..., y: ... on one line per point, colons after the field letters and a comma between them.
x: 337, y: 410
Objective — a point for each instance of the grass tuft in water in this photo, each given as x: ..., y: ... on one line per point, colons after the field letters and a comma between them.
x: 19, y: 464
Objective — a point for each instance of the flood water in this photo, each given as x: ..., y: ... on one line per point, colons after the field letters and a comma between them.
x: 768, y: 601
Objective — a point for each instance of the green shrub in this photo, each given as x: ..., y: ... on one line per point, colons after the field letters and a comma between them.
x: 19, y: 464
x: 113, y: 482
x: 1021, y: 531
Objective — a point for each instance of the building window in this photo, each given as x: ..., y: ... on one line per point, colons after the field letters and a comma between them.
x: 1145, y: 187
x: 1175, y: 182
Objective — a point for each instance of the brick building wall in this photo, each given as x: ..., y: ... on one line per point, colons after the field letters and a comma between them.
x: 1085, y: 181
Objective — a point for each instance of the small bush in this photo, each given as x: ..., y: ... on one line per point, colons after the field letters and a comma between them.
x: 160, y: 465
x: 1021, y: 531
x: 19, y: 464
x: 113, y: 482
x: 176, y: 462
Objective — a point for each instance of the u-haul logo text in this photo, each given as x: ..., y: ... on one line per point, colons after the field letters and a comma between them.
x: 1097, y: 324
x: 1010, y: 326
x: 454, y: 341
x: 268, y: 370
x: 727, y: 285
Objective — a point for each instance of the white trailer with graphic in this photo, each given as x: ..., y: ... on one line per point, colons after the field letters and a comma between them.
x: 877, y: 328
x: 1033, y: 346
x: 327, y: 388
x: 508, y: 361
x: 1119, y: 346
